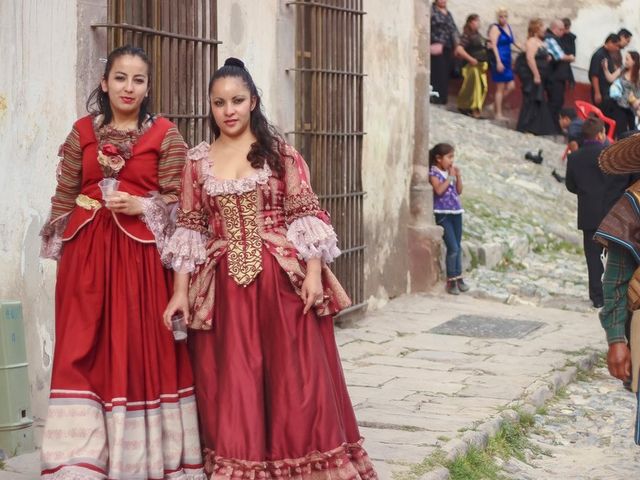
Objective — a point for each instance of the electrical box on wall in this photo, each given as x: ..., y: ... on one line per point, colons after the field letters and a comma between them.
x: 16, y: 424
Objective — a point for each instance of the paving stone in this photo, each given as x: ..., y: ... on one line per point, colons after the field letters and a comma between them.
x: 357, y: 350
x: 433, y: 423
x: 431, y: 341
x: 426, y: 384
x: 486, y: 327
x: 386, y: 470
x: 500, y: 391
x: 405, y: 362
x: 388, y: 435
x: 367, y: 379
x: 452, y: 358
x: 398, y: 452
x: 490, y: 254
x: 386, y: 393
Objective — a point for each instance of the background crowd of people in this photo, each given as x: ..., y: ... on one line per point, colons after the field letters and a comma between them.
x: 542, y: 63
x: 603, y: 141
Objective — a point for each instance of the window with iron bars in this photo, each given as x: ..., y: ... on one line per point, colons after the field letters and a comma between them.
x: 180, y: 40
x: 329, y: 122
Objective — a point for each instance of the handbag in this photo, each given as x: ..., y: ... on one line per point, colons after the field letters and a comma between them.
x: 436, y: 49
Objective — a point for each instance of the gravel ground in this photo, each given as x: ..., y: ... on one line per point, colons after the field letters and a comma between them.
x: 586, y: 434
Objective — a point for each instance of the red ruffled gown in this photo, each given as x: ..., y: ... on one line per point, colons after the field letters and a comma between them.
x: 122, y: 402
x: 272, y: 399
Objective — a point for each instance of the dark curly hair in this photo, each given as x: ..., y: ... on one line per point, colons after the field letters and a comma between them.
x: 98, y: 101
x: 269, y: 146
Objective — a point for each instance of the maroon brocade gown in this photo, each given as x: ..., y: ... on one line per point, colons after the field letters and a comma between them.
x: 272, y: 398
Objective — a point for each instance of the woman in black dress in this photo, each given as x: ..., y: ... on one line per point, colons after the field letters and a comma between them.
x: 532, y: 67
x: 444, y: 40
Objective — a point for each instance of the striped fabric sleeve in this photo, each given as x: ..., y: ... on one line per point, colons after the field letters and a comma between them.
x: 69, y: 176
x: 173, y: 152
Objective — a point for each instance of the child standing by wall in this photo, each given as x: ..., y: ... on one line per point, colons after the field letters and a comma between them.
x: 446, y: 181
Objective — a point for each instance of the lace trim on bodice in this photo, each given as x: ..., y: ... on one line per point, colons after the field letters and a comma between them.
x: 217, y: 186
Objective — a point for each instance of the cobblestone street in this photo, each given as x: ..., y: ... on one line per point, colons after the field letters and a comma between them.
x: 416, y: 391
x: 587, y: 434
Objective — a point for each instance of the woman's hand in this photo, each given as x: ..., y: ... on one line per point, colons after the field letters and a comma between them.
x: 178, y: 303
x: 123, y: 202
x: 537, y: 80
x: 473, y: 61
x: 499, y: 67
x: 312, y: 292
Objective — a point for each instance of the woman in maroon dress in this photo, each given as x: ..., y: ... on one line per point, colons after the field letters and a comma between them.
x: 250, y: 252
x: 122, y: 404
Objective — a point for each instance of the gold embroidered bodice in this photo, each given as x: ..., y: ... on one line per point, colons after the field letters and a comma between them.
x: 244, y: 253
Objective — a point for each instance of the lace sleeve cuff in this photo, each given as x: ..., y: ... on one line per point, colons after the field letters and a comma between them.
x: 159, y: 218
x: 51, y: 233
x: 184, y: 250
x: 313, y: 238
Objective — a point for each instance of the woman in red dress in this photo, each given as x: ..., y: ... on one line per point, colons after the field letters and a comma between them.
x: 250, y: 253
x: 122, y: 404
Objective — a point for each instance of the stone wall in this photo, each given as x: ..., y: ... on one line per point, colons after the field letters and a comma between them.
x: 262, y: 34
x: 389, y: 59
x: 37, y: 108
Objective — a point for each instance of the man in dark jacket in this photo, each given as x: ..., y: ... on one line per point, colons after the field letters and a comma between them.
x: 556, y: 82
x: 585, y: 179
x: 568, y: 44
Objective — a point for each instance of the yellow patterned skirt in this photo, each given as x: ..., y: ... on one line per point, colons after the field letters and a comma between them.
x: 474, y: 87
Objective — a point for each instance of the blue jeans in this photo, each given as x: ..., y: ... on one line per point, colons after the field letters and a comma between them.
x: 452, y: 224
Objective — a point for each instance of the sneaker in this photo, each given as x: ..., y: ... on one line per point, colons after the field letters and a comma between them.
x: 452, y: 287
x: 463, y: 287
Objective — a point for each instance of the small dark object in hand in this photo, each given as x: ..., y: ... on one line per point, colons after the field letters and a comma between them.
x: 535, y: 158
x: 557, y: 176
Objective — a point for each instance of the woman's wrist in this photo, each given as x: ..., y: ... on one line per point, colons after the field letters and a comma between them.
x: 314, y: 265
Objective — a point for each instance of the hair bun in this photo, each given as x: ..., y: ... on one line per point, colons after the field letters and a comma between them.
x: 234, y: 62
